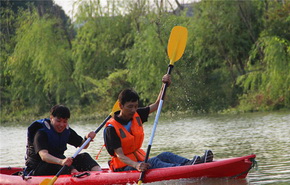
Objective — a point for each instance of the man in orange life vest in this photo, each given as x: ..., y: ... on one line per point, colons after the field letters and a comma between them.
x: 124, y: 136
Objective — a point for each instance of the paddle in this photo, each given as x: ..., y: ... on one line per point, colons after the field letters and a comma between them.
x: 51, y: 181
x: 175, y: 49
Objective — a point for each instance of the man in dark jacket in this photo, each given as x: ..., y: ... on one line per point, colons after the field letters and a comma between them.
x: 46, y: 144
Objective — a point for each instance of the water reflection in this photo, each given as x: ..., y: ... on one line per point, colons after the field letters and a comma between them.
x: 265, y: 134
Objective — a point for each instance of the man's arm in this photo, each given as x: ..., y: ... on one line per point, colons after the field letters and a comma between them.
x: 46, y: 157
x: 140, y: 166
x: 165, y: 79
x: 77, y: 141
x: 91, y: 135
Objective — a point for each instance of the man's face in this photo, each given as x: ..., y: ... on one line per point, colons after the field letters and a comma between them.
x: 59, y: 124
x: 128, y: 109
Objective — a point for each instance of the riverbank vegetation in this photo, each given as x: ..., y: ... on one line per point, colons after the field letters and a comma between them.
x: 237, y: 56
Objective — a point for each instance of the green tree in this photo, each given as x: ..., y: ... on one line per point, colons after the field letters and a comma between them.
x: 221, y: 34
x: 234, y: 49
x: 147, y: 60
x: 107, y: 89
x: 41, y: 64
x: 98, y: 48
x: 7, y: 45
x: 267, y: 83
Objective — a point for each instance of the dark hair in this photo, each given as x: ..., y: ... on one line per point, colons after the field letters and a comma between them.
x: 128, y: 95
x: 60, y: 111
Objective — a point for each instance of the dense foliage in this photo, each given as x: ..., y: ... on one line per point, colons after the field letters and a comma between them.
x: 237, y: 55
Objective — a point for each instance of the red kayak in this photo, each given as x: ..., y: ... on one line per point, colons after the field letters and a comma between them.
x: 231, y: 168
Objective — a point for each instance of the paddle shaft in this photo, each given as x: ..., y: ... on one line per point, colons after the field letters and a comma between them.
x: 83, y: 145
x: 170, y: 67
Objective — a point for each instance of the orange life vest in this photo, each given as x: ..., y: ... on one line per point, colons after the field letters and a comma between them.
x: 131, y: 142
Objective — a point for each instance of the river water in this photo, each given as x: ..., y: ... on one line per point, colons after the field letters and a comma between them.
x: 265, y: 134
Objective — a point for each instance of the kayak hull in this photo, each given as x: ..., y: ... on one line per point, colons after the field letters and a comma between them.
x: 226, y: 168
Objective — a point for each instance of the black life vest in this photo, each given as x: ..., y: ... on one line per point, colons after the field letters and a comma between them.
x: 57, y: 141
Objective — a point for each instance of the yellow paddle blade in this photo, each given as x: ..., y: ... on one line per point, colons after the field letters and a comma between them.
x: 115, y: 108
x: 45, y: 182
x: 49, y: 181
x: 176, y: 43
x: 139, y: 182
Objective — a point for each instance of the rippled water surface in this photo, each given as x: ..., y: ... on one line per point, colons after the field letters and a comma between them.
x: 265, y: 134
